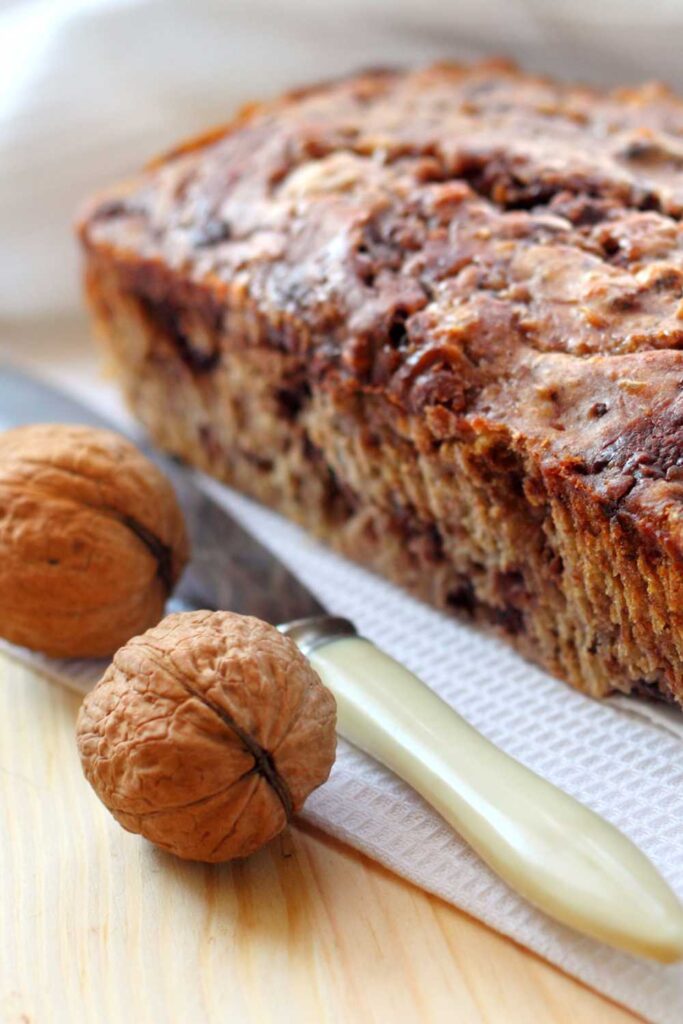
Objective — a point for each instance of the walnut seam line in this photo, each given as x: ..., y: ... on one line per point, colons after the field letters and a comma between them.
x: 263, y: 760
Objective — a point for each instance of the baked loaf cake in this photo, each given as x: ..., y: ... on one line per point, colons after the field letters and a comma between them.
x: 437, y: 318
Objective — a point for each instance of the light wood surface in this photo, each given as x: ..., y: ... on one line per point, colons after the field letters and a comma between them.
x: 96, y: 925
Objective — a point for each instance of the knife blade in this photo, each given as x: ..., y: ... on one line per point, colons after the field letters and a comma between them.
x: 551, y: 849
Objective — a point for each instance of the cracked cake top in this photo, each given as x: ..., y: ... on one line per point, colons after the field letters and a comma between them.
x: 469, y: 242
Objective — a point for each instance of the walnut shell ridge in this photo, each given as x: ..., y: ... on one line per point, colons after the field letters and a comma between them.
x: 92, y: 540
x: 207, y: 733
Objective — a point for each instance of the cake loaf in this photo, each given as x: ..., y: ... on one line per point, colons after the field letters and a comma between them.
x: 437, y: 318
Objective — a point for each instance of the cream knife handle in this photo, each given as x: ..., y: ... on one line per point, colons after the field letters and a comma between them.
x: 561, y: 856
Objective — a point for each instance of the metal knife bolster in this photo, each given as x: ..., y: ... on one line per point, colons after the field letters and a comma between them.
x: 314, y: 632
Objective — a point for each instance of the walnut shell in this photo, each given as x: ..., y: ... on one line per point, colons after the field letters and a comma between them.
x: 91, y: 540
x: 207, y: 733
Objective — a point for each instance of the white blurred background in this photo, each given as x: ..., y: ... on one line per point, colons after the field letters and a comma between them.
x: 90, y: 88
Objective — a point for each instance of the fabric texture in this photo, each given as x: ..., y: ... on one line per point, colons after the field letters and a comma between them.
x: 89, y: 89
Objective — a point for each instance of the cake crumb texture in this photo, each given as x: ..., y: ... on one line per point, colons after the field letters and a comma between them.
x: 436, y: 317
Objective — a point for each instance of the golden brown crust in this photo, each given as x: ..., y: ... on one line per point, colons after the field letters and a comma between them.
x: 207, y: 733
x: 463, y: 289
x: 91, y: 540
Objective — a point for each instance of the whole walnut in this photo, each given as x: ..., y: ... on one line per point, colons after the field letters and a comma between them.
x: 91, y: 540
x: 207, y: 733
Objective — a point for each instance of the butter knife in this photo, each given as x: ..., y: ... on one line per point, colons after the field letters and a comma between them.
x: 558, y: 854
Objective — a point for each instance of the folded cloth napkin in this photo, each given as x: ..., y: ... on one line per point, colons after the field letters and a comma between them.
x: 623, y: 758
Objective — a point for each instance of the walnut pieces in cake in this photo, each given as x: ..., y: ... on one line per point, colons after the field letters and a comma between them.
x: 92, y: 540
x: 207, y: 733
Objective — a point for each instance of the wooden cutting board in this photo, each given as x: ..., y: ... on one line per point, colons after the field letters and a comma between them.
x: 97, y: 926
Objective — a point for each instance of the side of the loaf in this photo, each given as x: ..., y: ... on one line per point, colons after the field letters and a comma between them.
x: 436, y: 318
x: 466, y: 520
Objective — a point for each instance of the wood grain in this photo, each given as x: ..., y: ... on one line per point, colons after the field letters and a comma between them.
x: 98, y: 926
